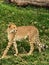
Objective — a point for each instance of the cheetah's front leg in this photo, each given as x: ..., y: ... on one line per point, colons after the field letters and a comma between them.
x: 15, y: 48
x: 6, y: 50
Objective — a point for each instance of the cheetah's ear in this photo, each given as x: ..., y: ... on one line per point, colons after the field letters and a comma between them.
x: 9, y: 26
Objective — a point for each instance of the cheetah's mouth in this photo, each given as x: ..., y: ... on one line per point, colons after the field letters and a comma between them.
x: 13, y: 31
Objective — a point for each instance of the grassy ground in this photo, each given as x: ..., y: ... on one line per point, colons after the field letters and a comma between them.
x: 24, y: 16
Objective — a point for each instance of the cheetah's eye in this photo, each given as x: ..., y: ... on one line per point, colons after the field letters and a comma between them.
x: 14, y: 27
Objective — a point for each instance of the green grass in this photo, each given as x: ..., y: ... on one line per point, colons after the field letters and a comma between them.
x: 29, y: 15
